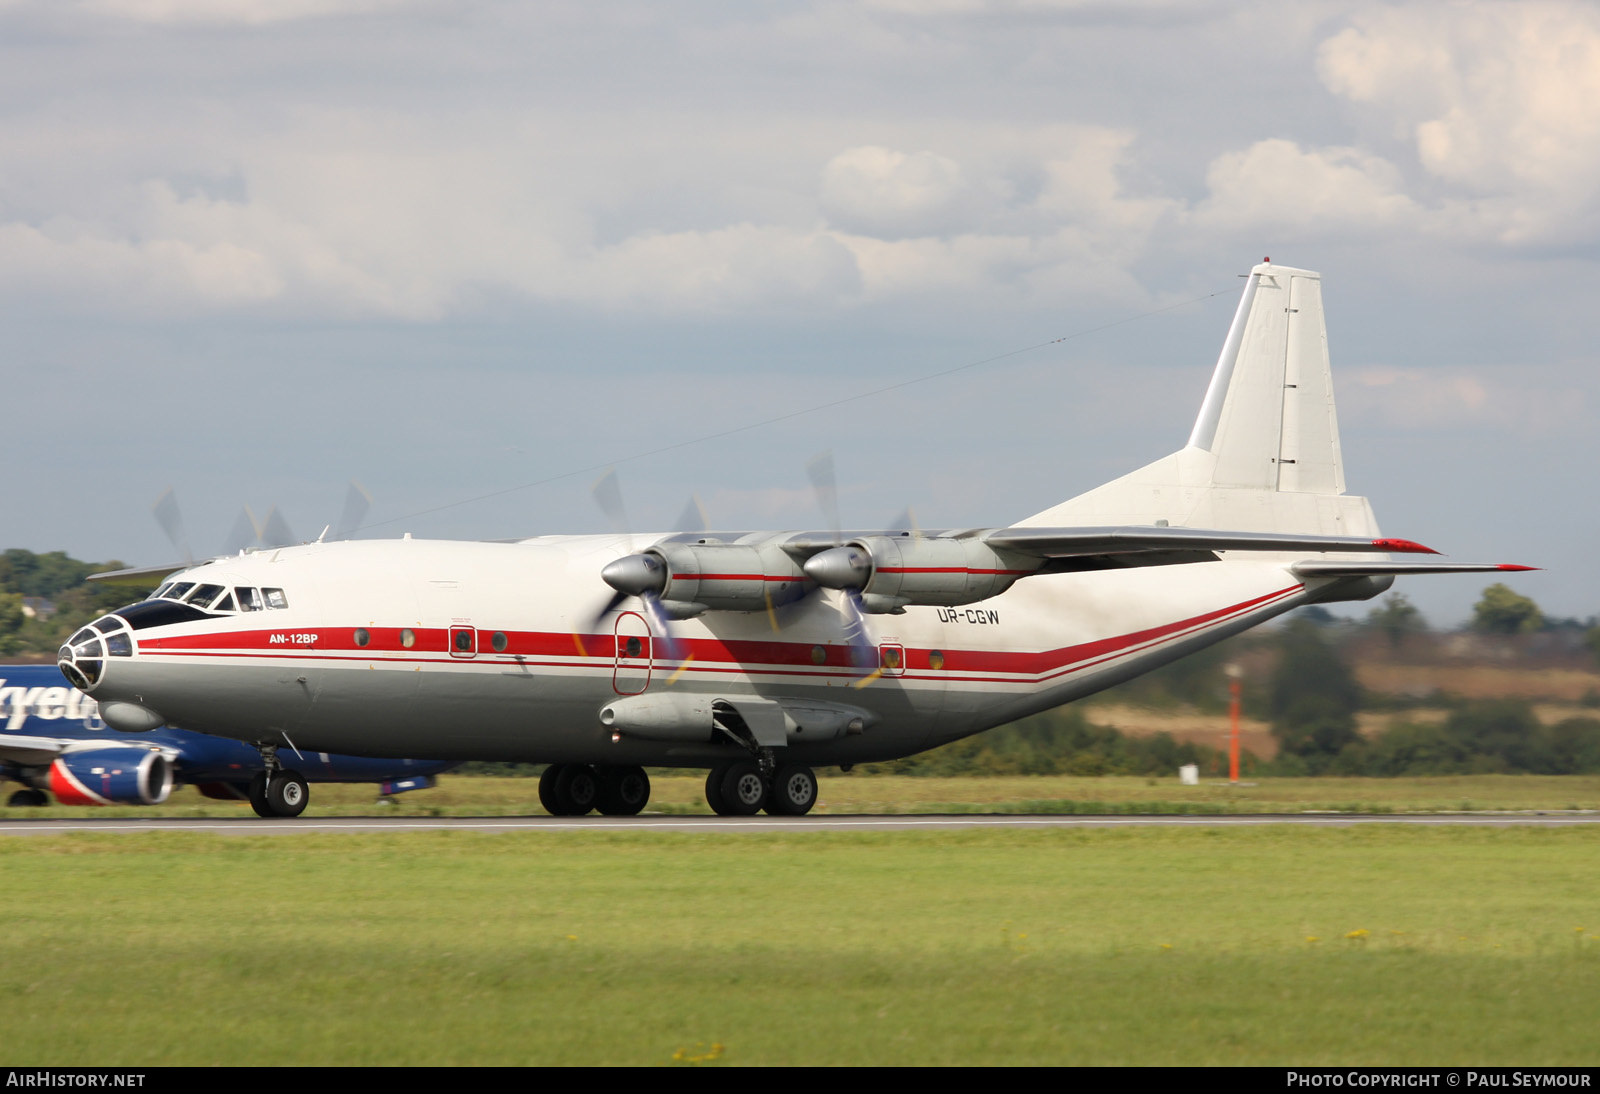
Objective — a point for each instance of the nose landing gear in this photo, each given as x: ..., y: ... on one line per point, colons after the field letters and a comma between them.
x: 278, y: 791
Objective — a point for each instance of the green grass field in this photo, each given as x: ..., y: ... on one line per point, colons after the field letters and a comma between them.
x: 1272, y: 945
x: 459, y: 795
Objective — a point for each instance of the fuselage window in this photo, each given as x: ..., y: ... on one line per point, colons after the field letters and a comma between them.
x: 362, y: 637
x: 634, y: 648
x: 499, y: 642
x: 463, y: 641
x: 408, y: 638
x: 249, y: 600
x: 275, y: 598
x: 204, y: 595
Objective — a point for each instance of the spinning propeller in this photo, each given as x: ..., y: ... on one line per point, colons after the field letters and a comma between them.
x: 638, y: 575
x: 843, y: 568
x: 249, y: 533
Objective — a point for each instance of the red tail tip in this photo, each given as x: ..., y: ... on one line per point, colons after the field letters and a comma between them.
x: 1403, y: 546
x: 1512, y: 567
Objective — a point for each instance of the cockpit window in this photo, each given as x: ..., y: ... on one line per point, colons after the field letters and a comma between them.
x: 161, y: 592
x: 275, y: 598
x: 225, y: 604
x: 204, y: 595
x: 176, y: 590
x: 249, y: 599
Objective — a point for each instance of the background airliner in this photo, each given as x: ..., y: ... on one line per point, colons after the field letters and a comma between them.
x: 52, y: 741
x: 761, y: 655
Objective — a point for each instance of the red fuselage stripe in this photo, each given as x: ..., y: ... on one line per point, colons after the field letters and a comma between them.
x: 709, y: 655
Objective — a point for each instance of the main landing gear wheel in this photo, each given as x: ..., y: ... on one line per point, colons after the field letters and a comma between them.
x: 744, y: 791
x: 623, y: 791
x: 714, y: 790
x: 25, y: 798
x: 258, y: 795
x: 793, y: 793
x: 569, y: 790
x: 279, y: 794
x: 288, y: 794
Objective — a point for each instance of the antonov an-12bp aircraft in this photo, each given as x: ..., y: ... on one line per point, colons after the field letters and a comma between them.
x: 762, y: 655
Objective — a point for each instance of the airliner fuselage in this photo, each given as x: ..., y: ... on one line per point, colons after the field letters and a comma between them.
x: 761, y: 655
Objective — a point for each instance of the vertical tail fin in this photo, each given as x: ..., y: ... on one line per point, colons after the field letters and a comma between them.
x: 1264, y: 452
x: 1268, y: 417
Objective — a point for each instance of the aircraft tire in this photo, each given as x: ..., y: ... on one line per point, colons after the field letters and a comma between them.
x: 623, y: 791
x: 793, y: 791
x: 575, y: 791
x: 714, y: 790
x: 547, y: 788
x: 288, y: 794
x: 28, y: 798
x: 744, y: 791
x: 258, y: 795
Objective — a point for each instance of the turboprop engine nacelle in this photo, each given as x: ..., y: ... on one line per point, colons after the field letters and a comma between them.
x: 691, y: 578
x: 892, y: 572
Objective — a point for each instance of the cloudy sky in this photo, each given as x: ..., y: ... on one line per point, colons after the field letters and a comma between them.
x: 254, y: 249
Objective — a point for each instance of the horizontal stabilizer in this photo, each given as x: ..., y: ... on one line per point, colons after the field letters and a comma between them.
x: 1067, y: 542
x: 1321, y: 568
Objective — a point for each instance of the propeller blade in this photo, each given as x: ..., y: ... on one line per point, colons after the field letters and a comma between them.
x: 357, y: 500
x: 246, y: 532
x: 660, y: 625
x: 611, y: 605
x: 907, y: 522
x: 275, y: 530
x: 593, y: 624
x: 171, y: 521
x: 607, y: 491
x: 826, y: 486
x: 693, y: 518
x: 862, y: 653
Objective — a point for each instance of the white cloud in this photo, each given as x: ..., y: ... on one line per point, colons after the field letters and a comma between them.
x: 1501, y: 101
x: 889, y: 194
x: 246, y: 12
x: 1323, y: 191
x: 739, y: 267
x: 1528, y: 400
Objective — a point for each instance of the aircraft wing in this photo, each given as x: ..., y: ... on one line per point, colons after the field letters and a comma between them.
x: 30, y: 751
x: 140, y: 575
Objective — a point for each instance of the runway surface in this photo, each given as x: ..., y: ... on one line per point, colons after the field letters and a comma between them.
x: 886, y: 823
